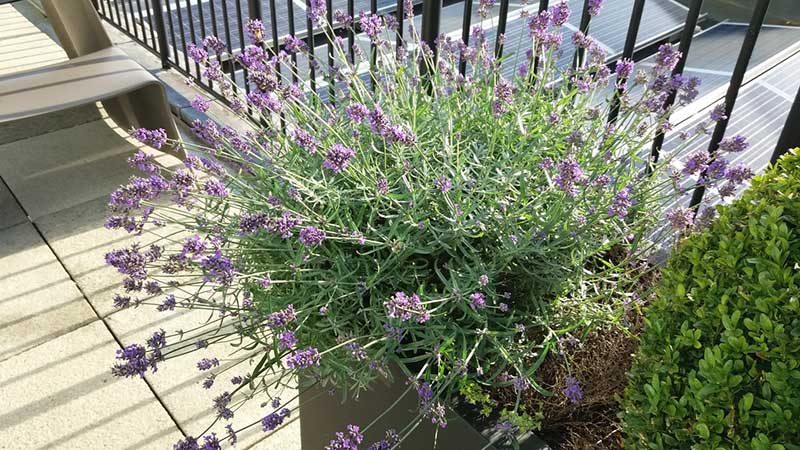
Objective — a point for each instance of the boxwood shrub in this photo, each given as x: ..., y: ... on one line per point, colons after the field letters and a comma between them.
x: 719, y: 361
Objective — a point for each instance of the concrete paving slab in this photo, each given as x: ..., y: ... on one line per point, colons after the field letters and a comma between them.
x: 177, y: 382
x: 10, y: 212
x: 38, y: 301
x: 61, y: 395
x: 34, y: 126
x: 19, y: 34
x: 55, y: 171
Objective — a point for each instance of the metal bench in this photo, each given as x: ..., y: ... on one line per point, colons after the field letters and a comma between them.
x: 96, y: 71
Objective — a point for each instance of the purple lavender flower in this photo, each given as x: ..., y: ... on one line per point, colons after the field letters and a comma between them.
x: 356, y: 351
x: 206, y: 363
x: 252, y: 223
x: 255, y: 30
x: 521, y: 384
x: 144, y: 162
x: 346, y: 441
x: 560, y: 14
x: 286, y: 340
x: 284, y: 224
x: 211, y: 442
x: 503, y: 307
x: 218, y: 268
x: 274, y: 420
x: 208, y: 382
x: 680, y: 218
x: 717, y: 168
x: 382, y: 186
x: 135, y: 360
x: 738, y: 174
x: 477, y: 301
x: 232, y: 437
x: 168, y: 304
x: 214, y: 43
x: 572, y: 390
x: 622, y: 201
x: 735, y: 144
x: 189, y: 443
x: 129, y: 262
x: 293, y: 44
x: 197, y: 54
x: 696, y: 163
x: 311, y: 236
x: 404, y: 307
x: 718, y: 113
x: 371, y: 24
x: 154, y: 138
x: 483, y: 280
x: 503, y: 92
x: 569, y: 176
x: 221, y: 403
x: 357, y: 112
x: 281, y: 318
x: 338, y: 158
x: 594, y: 7
x: 201, y: 104
x: 316, y: 11
x: 265, y: 101
x: 443, y: 183
x: 389, y: 441
x: 216, y: 188
x: 624, y: 68
x: 667, y: 58
x: 303, y: 359
x: 121, y: 301
x: 304, y: 140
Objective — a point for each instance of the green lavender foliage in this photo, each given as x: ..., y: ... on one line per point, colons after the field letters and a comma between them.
x: 719, y: 362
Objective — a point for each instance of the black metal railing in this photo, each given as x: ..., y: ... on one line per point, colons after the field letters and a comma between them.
x: 167, y: 27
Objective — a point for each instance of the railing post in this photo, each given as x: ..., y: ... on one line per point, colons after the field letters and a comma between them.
x: 163, y: 49
x: 756, y: 22
x: 686, y: 41
x: 627, y: 53
x: 580, y: 53
x: 431, y: 17
x: 501, y: 28
x: 254, y: 9
x: 790, y: 136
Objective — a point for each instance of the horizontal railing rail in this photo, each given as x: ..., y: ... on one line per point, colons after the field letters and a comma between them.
x: 167, y: 27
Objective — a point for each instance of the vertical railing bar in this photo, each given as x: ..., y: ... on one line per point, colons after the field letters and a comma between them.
x: 328, y: 70
x: 213, y: 13
x: 201, y: 34
x: 351, y: 34
x: 290, y: 17
x: 276, y: 46
x: 101, y: 8
x: 227, y: 28
x: 399, y: 15
x: 466, y: 24
x: 790, y: 135
x: 310, y: 38
x: 373, y: 51
x: 172, y: 31
x: 501, y: 29
x: 242, y: 46
x: 193, y: 36
x: 685, y: 44
x: 124, y: 16
x: 543, y: 5
x: 152, y: 27
x: 141, y: 21
x: 431, y: 18
x: 163, y: 48
x: 627, y: 53
x: 182, y: 30
x: 133, y: 19
x: 745, y: 53
x: 580, y: 53
x: 116, y: 8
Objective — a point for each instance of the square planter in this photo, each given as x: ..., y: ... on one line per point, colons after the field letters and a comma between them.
x: 323, y: 414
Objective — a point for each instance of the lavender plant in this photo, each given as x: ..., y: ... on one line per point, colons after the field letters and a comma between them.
x: 451, y: 225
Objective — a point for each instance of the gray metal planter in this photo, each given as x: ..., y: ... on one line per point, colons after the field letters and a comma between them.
x: 322, y: 415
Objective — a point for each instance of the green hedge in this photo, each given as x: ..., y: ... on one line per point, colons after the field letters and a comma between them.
x: 719, y: 362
